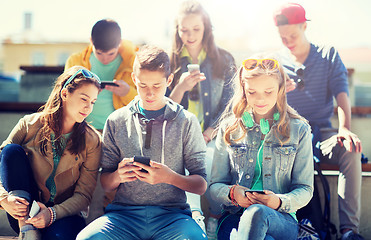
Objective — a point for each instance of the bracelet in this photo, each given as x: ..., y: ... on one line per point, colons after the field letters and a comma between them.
x: 206, y: 137
x: 53, y: 215
x: 231, y: 194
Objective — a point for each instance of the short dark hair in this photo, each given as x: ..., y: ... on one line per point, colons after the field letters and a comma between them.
x: 152, y: 58
x: 106, y: 34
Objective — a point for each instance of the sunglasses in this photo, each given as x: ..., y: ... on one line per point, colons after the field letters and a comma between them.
x: 300, y: 81
x: 268, y: 64
x: 85, y: 73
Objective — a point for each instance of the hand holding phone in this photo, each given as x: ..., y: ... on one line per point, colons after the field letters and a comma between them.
x: 103, y: 84
x: 35, y: 209
x: 143, y: 160
x: 256, y: 191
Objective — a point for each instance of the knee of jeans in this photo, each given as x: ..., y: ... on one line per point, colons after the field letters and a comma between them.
x: 13, y: 151
x: 255, y: 212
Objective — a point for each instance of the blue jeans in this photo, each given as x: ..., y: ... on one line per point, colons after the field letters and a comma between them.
x: 143, y: 222
x: 258, y: 222
x: 17, y: 178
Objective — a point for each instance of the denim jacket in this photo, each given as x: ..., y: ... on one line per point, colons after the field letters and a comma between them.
x: 287, y: 170
x: 215, y: 92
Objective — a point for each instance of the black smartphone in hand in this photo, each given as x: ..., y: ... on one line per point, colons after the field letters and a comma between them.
x: 143, y: 160
x: 103, y: 84
x: 257, y: 191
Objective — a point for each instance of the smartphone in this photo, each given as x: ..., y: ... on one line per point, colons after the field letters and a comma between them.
x: 144, y: 160
x: 257, y: 191
x: 193, y: 67
x: 103, y: 84
x: 35, y: 209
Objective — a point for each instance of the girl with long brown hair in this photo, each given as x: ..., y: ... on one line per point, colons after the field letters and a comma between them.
x: 262, y: 169
x: 49, y: 162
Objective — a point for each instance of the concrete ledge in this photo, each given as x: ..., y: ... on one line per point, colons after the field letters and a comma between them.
x: 366, y: 167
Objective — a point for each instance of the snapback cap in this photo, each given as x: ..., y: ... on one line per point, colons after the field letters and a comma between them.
x: 289, y: 13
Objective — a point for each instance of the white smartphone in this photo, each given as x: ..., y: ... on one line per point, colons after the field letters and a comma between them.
x: 193, y: 67
x: 35, y: 209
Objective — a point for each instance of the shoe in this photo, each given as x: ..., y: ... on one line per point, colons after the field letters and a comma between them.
x: 212, y: 226
x: 351, y: 236
x: 30, y: 235
x: 200, y: 221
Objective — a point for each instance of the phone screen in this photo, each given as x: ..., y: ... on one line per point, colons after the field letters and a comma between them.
x: 257, y: 191
x: 142, y: 159
x: 110, y: 83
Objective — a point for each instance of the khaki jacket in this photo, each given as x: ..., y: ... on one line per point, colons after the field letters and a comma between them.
x: 127, y: 53
x: 76, y: 175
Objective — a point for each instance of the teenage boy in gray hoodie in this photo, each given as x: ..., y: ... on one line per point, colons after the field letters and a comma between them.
x: 150, y: 202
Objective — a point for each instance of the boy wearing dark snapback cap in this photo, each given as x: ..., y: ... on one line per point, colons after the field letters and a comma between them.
x: 320, y: 76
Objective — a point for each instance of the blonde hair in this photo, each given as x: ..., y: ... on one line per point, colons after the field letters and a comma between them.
x: 239, y: 104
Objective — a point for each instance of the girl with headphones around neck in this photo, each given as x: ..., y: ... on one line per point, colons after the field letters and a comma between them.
x: 262, y: 169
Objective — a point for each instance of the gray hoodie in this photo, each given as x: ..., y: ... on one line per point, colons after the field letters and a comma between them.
x: 174, y: 139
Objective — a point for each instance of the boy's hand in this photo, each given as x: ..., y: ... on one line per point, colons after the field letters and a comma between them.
x: 121, y: 90
x: 42, y: 219
x: 269, y: 199
x: 17, y: 207
x: 290, y: 85
x: 126, y: 170
x: 157, y: 173
x: 188, y: 80
x: 346, y: 138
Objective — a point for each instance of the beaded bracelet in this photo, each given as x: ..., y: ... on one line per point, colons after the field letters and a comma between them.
x: 53, y: 215
x: 231, y: 194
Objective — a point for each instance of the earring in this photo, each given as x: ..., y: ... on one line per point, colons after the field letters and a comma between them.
x: 247, y: 120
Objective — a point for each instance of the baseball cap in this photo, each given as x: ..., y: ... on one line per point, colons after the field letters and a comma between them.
x: 289, y: 13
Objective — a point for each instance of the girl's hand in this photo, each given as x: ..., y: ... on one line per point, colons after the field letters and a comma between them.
x: 125, y: 170
x: 17, y: 207
x: 188, y: 80
x: 121, y: 90
x: 239, y: 196
x: 269, y: 199
x: 42, y: 219
x: 156, y: 173
x: 209, y: 134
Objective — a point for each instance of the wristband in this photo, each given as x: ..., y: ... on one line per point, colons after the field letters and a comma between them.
x: 231, y: 195
x: 206, y: 138
x: 53, y: 215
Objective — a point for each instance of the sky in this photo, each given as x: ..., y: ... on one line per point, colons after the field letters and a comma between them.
x: 342, y: 23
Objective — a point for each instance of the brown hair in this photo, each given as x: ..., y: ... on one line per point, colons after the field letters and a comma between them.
x: 152, y: 58
x: 52, y: 114
x: 106, y: 34
x: 208, y: 43
x: 239, y: 104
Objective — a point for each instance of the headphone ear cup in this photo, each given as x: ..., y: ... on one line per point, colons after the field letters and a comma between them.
x: 264, y: 126
x: 247, y: 120
x: 276, y: 116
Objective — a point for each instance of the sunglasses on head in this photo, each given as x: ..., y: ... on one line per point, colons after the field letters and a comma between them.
x: 85, y: 73
x: 300, y: 81
x: 267, y: 63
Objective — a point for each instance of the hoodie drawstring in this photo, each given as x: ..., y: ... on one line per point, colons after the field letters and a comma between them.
x: 163, y: 143
x: 148, y: 136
